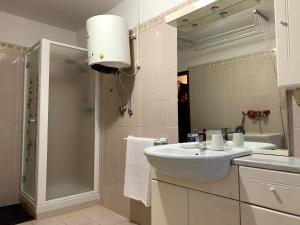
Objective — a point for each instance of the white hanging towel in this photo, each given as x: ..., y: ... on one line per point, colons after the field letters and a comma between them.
x: 138, y: 171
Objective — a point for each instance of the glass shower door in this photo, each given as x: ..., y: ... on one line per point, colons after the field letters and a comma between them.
x: 30, y: 123
x: 71, y: 117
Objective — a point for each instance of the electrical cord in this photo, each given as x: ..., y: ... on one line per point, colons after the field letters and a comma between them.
x: 130, y: 75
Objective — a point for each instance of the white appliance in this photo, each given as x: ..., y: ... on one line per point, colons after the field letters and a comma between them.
x: 108, y: 43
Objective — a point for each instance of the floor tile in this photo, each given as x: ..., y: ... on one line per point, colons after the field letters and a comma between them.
x: 94, y: 215
x: 103, y: 216
x: 48, y: 221
x: 75, y: 218
x: 125, y: 223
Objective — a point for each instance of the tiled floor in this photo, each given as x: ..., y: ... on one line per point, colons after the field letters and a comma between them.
x: 94, y: 215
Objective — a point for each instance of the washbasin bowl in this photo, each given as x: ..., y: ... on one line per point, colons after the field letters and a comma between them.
x: 193, y: 164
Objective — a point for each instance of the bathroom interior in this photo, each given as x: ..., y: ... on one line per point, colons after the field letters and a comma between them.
x: 130, y: 112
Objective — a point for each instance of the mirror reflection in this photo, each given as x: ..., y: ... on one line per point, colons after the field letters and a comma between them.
x: 227, y: 80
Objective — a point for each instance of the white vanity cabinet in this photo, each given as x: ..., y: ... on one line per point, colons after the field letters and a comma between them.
x: 169, y: 204
x: 182, y: 202
x: 207, y: 209
x: 287, y: 42
x: 247, y: 196
x: 175, y: 205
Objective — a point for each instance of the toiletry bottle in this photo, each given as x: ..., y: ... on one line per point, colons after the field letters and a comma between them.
x: 202, y: 135
x: 191, y: 137
x: 225, y: 133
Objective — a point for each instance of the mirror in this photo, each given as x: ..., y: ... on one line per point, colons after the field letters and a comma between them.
x: 227, y: 78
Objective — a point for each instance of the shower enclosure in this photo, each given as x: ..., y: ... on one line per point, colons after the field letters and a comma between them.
x: 60, y: 160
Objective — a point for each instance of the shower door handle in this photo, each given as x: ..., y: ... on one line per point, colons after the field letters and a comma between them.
x: 32, y: 120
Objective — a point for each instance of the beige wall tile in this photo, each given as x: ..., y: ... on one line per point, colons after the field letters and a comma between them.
x: 296, y: 127
x: 8, y: 98
x: 154, y: 104
x: 160, y: 114
x: 6, y: 137
x: 9, y: 194
x: 296, y: 113
x: 297, y: 142
x: 139, y: 214
x: 11, y: 98
x: 172, y: 135
x: 172, y: 112
x: 220, y: 91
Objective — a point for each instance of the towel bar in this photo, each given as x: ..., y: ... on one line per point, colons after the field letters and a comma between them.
x: 159, y: 141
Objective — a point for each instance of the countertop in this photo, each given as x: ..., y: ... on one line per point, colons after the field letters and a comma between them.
x: 271, y: 162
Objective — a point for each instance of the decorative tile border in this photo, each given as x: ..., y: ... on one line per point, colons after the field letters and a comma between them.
x: 233, y: 60
x: 12, y: 46
x: 161, y: 18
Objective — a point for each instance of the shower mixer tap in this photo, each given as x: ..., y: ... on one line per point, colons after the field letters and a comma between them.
x: 130, y: 112
x: 122, y: 109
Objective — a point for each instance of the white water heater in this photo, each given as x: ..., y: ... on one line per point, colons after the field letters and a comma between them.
x: 108, y: 43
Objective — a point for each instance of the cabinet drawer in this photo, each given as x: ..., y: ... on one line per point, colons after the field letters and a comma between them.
x: 272, y: 189
x: 254, y: 215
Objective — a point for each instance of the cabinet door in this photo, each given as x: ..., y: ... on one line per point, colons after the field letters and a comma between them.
x: 207, y: 209
x: 287, y: 42
x: 169, y: 204
x: 254, y: 215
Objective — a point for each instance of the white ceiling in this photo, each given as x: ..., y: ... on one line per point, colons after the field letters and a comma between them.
x: 67, y: 14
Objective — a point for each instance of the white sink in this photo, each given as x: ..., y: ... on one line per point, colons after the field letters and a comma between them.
x: 193, y: 164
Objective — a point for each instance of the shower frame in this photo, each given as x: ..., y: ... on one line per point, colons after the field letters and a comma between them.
x: 38, y: 204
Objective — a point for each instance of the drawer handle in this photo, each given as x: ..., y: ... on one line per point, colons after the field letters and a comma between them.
x: 273, y: 190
